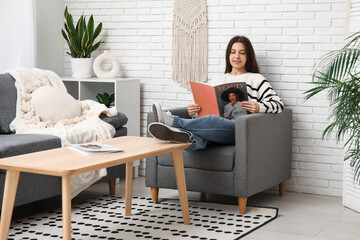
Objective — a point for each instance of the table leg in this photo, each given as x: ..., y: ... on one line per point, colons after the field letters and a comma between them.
x: 181, y: 184
x: 11, y: 183
x: 128, y: 188
x: 66, y: 207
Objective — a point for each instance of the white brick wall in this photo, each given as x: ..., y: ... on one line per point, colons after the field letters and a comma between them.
x: 288, y: 36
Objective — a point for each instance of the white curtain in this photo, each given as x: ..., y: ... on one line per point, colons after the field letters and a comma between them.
x: 17, y: 38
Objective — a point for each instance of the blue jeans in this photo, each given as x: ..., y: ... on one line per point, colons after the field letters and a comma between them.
x: 204, y: 130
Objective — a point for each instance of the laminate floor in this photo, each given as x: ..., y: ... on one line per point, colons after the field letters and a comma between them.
x: 301, y: 216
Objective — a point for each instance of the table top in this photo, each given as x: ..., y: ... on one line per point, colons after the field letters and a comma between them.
x: 65, y: 161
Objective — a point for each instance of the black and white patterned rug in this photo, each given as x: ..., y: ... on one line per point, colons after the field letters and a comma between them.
x: 103, y: 218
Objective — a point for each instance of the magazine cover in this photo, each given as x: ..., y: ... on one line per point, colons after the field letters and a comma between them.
x: 92, y: 148
x: 221, y: 100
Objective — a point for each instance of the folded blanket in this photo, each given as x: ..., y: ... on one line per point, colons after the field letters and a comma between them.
x: 117, y: 122
x: 86, y: 127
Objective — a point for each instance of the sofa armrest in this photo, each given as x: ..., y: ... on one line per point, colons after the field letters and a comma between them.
x: 116, y: 121
x: 263, y: 152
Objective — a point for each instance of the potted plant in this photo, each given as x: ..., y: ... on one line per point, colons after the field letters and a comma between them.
x: 81, y: 42
x: 338, y: 74
x: 106, y: 99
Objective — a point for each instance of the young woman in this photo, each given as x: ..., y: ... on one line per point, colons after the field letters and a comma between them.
x: 241, y: 66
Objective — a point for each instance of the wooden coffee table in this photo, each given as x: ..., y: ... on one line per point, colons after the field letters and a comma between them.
x: 64, y: 162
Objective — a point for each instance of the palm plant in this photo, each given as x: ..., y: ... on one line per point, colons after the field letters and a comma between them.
x: 337, y: 73
x: 81, y: 38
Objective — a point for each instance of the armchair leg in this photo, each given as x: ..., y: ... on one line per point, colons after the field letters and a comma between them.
x: 154, y: 194
x: 282, y: 188
x: 112, y: 184
x: 242, y: 204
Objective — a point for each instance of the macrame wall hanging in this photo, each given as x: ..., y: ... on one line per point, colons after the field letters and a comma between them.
x: 190, y: 42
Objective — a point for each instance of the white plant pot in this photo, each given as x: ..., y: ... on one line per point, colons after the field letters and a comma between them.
x: 81, y: 67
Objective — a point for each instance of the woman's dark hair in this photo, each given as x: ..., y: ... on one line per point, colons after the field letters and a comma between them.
x: 251, y: 64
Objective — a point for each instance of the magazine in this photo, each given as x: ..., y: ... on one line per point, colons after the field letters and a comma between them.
x: 221, y: 100
x: 94, y: 148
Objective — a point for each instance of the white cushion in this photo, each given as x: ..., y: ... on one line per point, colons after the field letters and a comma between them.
x: 54, y: 104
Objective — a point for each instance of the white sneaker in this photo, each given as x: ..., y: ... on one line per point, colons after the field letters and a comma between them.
x: 162, y: 117
x: 163, y: 132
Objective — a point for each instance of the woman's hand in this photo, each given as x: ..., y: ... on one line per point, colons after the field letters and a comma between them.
x: 253, y: 107
x: 193, y: 109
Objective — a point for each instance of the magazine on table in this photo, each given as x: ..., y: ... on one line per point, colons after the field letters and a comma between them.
x: 94, y: 148
x: 221, y: 100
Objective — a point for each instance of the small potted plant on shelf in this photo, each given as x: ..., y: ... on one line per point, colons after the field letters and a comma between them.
x: 106, y: 99
x: 81, y: 42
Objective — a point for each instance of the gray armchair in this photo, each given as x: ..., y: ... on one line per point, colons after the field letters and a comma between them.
x: 260, y: 159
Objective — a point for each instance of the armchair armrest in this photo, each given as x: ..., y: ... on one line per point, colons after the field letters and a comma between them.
x: 151, y: 165
x: 263, y: 145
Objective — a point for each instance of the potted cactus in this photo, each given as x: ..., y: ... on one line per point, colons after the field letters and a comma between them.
x: 81, y: 42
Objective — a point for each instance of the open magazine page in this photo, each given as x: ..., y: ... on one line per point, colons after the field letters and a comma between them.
x: 221, y: 100
x: 229, y: 97
x: 94, y: 148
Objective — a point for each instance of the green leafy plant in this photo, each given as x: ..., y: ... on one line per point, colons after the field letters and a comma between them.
x: 337, y: 74
x: 81, y: 38
x: 106, y: 99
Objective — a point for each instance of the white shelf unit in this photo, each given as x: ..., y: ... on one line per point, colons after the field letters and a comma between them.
x: 127, y: 98
x: 126, y: 90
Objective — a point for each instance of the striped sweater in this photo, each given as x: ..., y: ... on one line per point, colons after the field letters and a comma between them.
x: 258, y: 88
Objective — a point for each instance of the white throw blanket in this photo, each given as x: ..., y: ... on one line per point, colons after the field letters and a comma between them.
x: 85, y: 128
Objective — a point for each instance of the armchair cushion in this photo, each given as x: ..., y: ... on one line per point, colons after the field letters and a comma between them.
x: 8, y: 96
x: 214, y: 158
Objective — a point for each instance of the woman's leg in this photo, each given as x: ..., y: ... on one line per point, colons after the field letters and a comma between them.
x: 199, y: 130
x: 208, y: 128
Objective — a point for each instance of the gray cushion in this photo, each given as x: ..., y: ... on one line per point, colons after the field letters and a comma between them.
x: 16, y: 144
x: 120, y: 132
x: 8, y: 96
x: 214, y: 157
x: 117, y: 121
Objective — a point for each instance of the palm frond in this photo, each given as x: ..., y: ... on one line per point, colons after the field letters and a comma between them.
x: 337, y: 74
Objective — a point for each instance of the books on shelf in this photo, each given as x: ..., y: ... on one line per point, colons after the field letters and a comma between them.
x: 94, y: 148
x: 221, y: 100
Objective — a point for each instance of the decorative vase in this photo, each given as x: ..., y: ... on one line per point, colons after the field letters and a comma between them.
x: 81, y: 67
x: 106, y: 56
